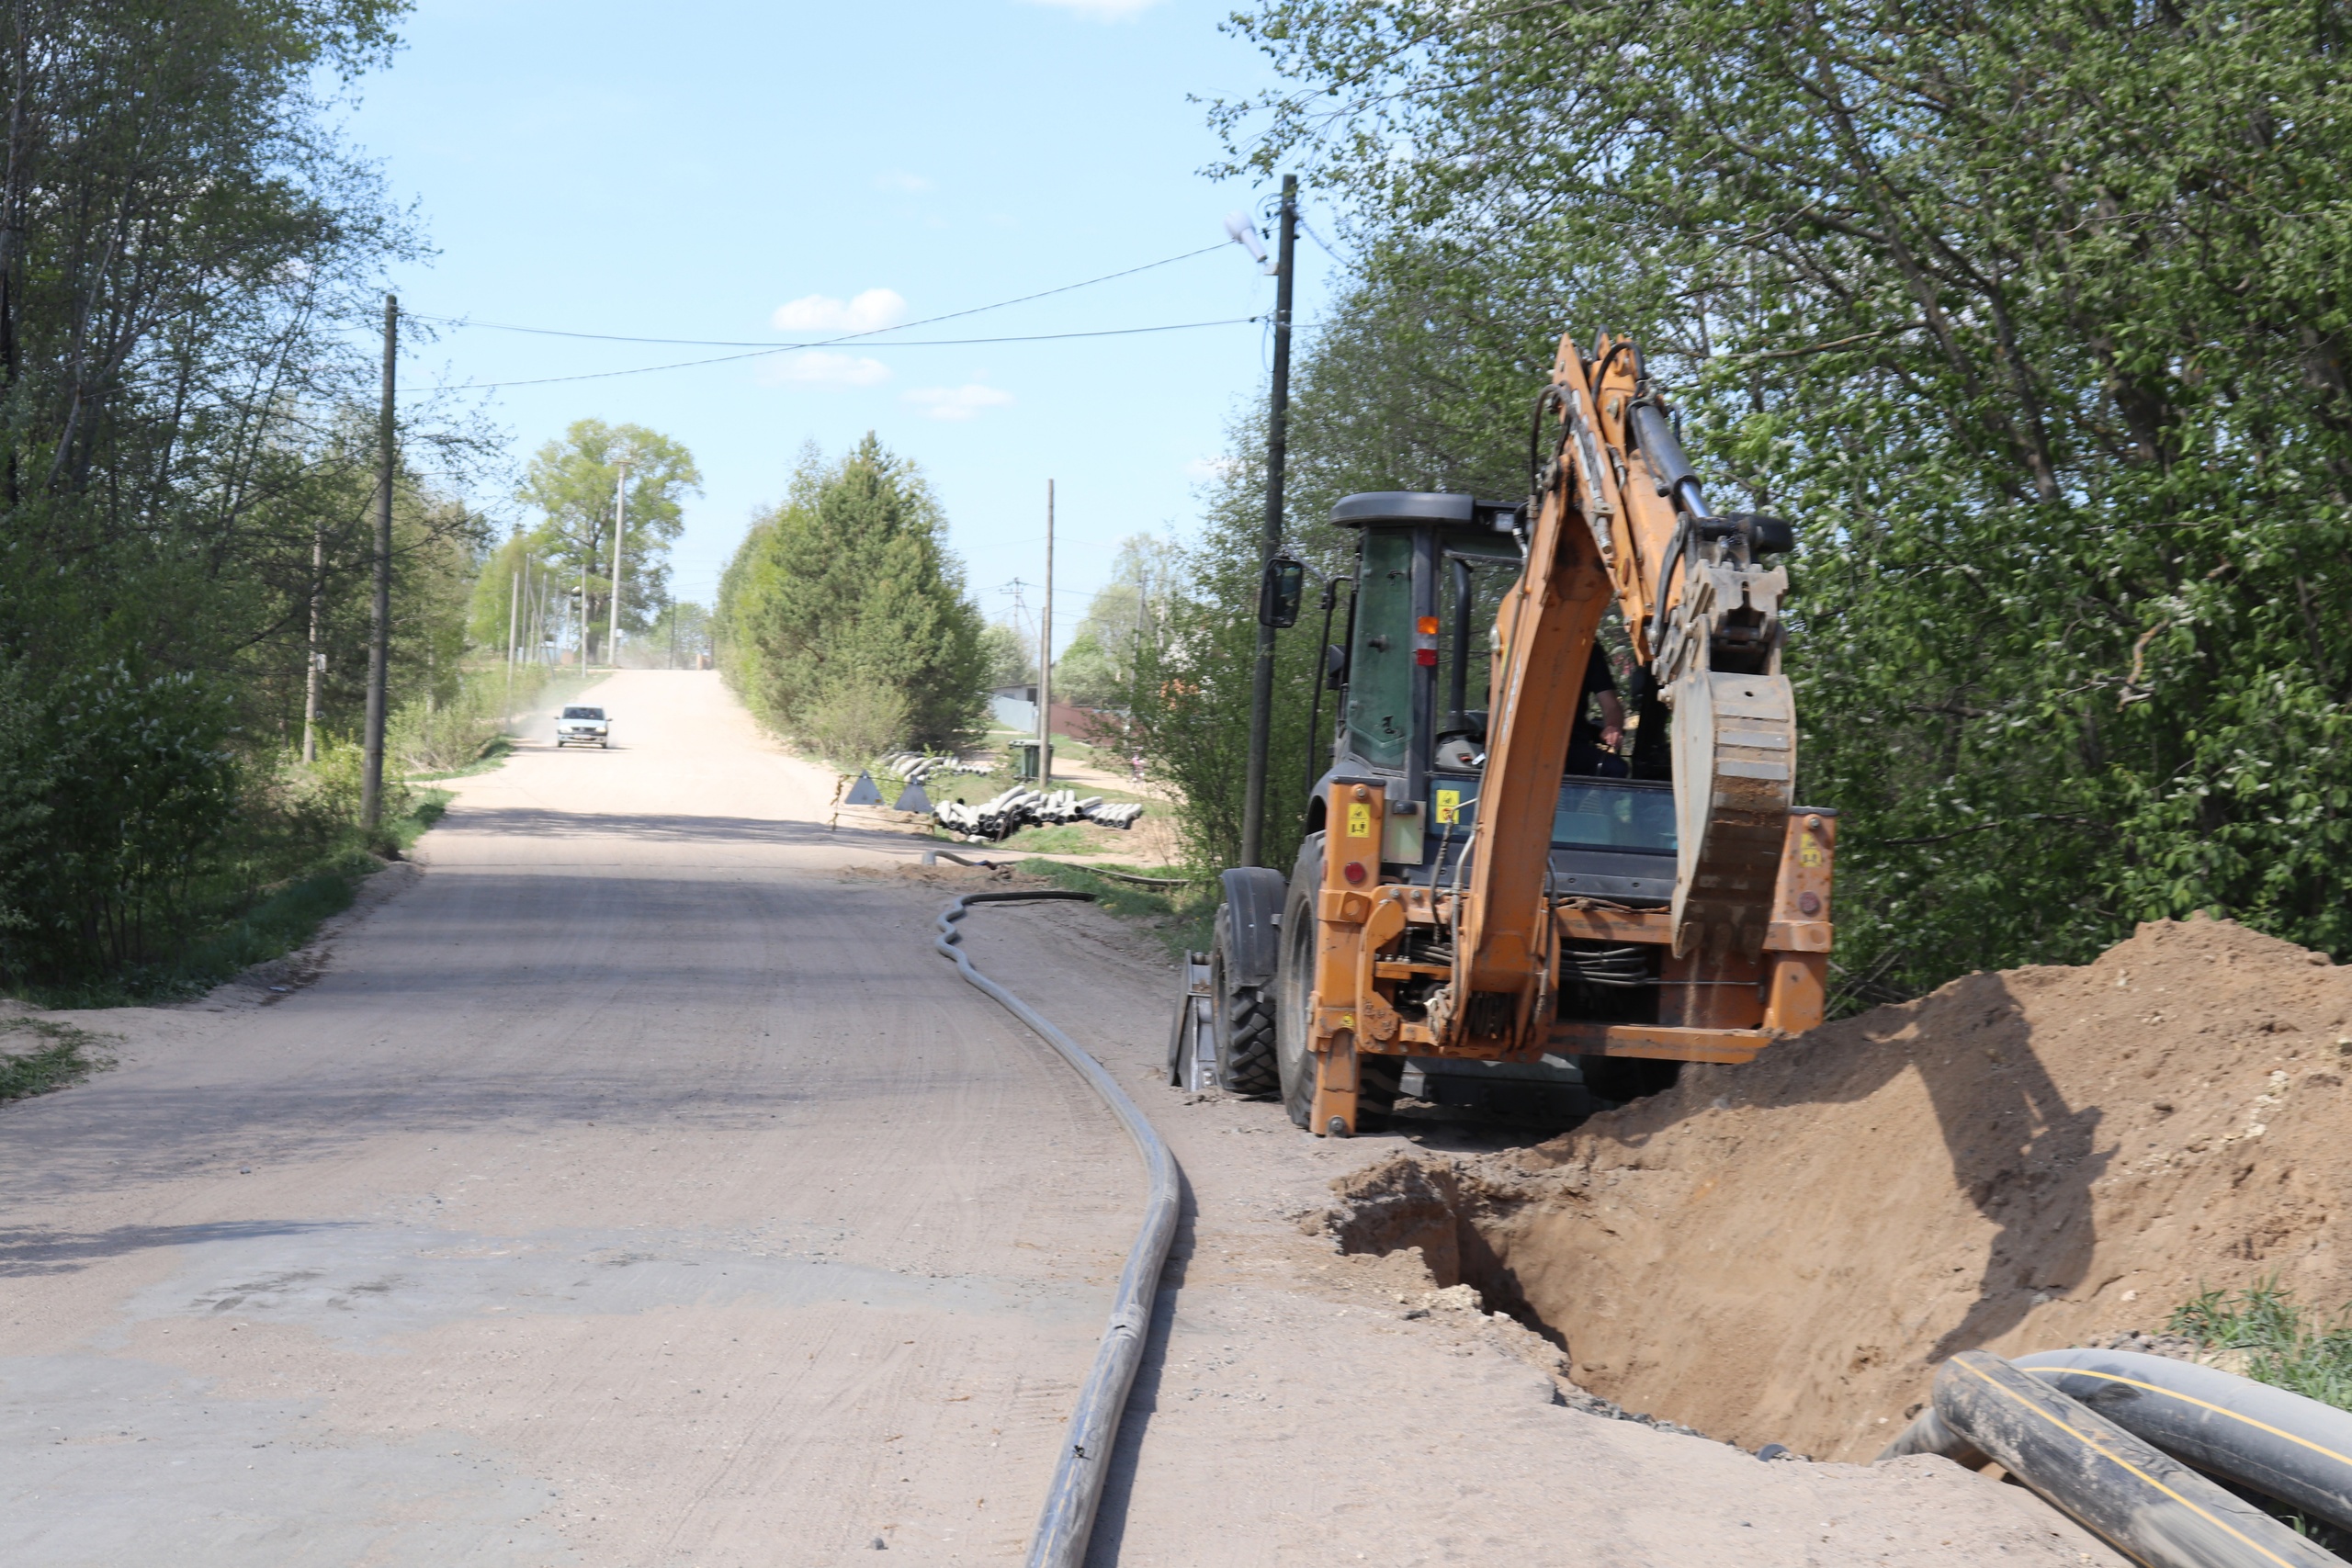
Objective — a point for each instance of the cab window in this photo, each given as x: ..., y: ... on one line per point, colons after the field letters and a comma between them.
x: 1380, y: 667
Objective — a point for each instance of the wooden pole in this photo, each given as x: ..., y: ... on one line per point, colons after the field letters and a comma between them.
x: 379, y: 640
x: 1045, y: 658
x: 313, y: 659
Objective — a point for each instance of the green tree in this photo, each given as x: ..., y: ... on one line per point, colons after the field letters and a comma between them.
x: 679, y: 638
x: 1097, y: 670
x: 572, y: 483
x: 190, y: 272
x: 846, y: 620
x: 1010, y: 660
x: 2033, y: 320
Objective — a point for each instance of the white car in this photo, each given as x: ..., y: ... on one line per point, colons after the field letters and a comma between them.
x: 584, y: 726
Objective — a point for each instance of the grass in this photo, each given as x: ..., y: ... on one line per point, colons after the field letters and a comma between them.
x: 282, y: 920
x: 1067, y: 839
x: 2288, y: 1345
x: 64, y: 1056
x: 1183, y: 918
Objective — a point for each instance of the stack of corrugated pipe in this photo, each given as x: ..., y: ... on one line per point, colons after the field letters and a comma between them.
x: 2174, y: 1464
x: 1016, y: 808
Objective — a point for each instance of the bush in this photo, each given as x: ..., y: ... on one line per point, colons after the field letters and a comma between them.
x: 423, y: 736
x: 126, y: 784
x: 854, y: 719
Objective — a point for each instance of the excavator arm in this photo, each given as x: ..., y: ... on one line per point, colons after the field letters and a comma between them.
x: 1618, y: 515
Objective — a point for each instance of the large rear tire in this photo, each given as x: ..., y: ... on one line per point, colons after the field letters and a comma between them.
x: 1244, y: 1028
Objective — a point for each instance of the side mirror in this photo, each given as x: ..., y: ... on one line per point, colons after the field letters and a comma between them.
x: 1280, y: 591
x: 1335, y: 666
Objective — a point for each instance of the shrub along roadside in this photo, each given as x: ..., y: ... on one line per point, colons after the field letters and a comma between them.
x: 283, y: 917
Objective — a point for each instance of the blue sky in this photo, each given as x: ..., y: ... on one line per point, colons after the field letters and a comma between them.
x: 771, y: 173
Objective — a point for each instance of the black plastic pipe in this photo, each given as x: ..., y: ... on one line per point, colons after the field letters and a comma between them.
x: 1068, y: 1519
x: 2265, y: 1440
x: 2142, y: 1502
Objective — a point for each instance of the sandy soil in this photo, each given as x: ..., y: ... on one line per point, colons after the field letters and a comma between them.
x: 633, y: 1185
x: 2025, y: 1160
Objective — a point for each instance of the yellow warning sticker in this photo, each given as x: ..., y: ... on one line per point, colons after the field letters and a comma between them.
x: 1359, y: 821
x: 1449, y: 806
x: 1809, y: 853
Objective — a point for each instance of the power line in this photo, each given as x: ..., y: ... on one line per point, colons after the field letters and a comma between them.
x: 798, y: 348
x: 821, y: 343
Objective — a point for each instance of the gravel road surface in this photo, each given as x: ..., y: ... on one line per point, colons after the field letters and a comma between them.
x: 633, y: 1185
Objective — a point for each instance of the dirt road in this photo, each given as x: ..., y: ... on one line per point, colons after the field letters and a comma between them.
x: 634, y: 1186
x: 631, y: 1188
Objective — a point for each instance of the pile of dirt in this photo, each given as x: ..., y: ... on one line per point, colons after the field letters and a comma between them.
x: 1783, y: 1251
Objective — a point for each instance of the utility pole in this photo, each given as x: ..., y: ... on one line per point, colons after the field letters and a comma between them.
x: 620, y: 513
x: 314, y: 661
x: 379, y: 640
x: 1261, y: 678
x: 515, y: 625
x: 1045, y: 658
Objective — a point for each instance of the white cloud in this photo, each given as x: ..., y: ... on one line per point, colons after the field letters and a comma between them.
x: 866, y: 313
x: 1101, y: 10
x: 829, y: 372
x: 901, y: 181
x: 959, y: 403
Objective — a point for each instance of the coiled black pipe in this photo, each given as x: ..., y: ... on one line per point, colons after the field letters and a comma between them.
x: 1068, y: 1519
x: 2144, y: 1503
x: 2265, y: 1440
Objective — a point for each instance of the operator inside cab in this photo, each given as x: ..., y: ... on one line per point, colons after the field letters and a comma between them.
x: 1592, y: 747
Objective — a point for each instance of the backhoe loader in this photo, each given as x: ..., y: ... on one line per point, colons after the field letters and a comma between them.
x: 1467, y: 914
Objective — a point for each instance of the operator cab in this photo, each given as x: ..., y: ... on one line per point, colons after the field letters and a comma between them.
x: 1430, y: 570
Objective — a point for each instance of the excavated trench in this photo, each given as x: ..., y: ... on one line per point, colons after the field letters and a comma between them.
x: 2024, y: 1160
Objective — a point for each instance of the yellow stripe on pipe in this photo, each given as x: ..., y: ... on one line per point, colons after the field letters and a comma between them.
x: 2186, y: 1399
x: 2094, y: 1444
